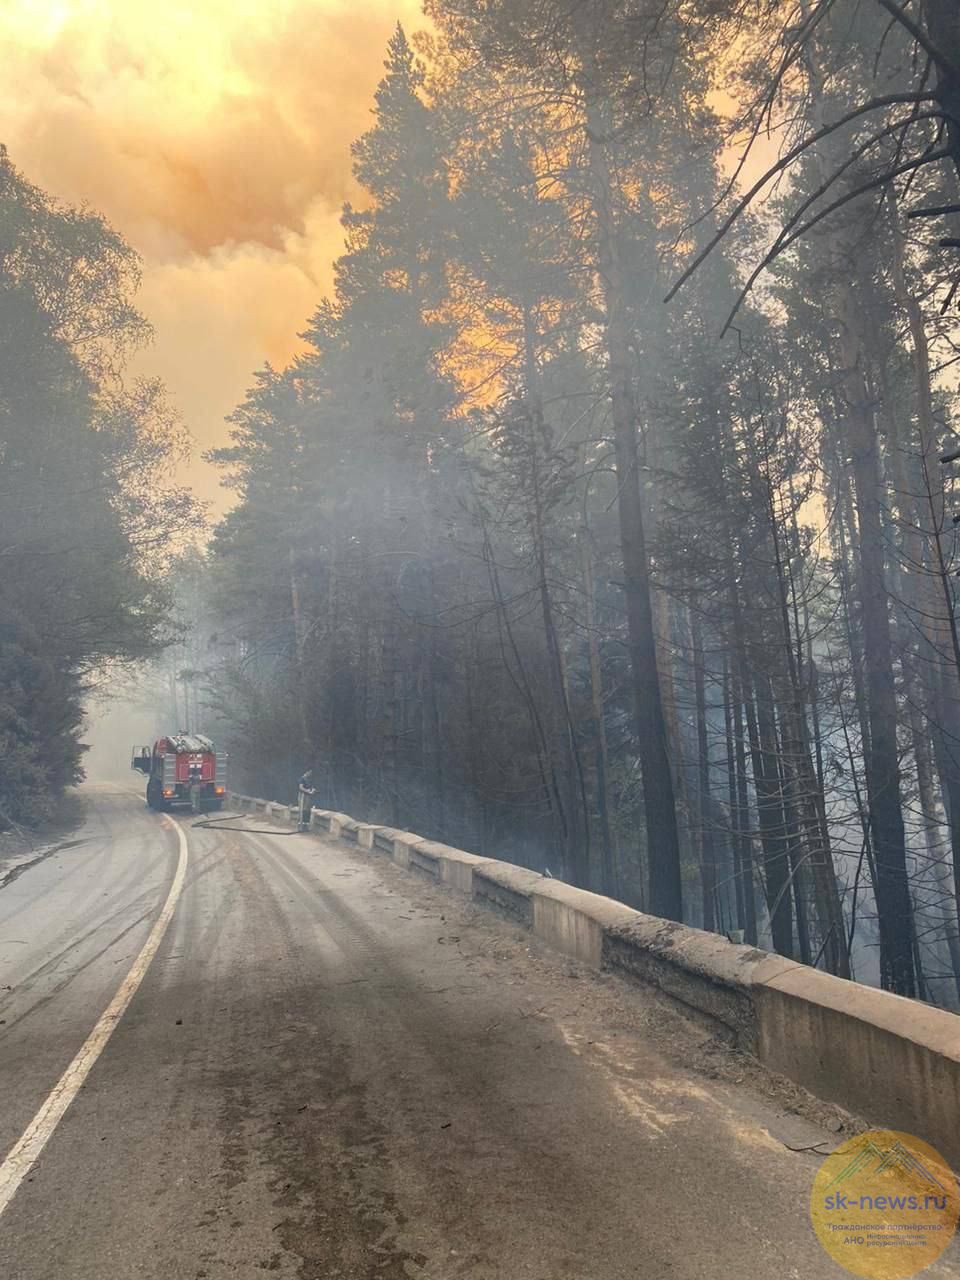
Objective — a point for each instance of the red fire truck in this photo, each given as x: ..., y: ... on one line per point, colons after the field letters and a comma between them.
x: 181, y: 768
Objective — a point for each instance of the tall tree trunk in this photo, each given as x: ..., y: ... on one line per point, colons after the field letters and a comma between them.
x: 881, y: 756
x: 883, y: 778
x: 761, y: 733
x: 609, y: 869
x: 807, y: 803
x: 299, y: 644
x: 799, y: 871
x: 663, y: 846
x: 937, y: 872
x: 733, y: 799
x: 576, y: 852
x: 550, y: 783
x: 943, y: 25
x: 708, y: 855
x: 665, y: 619
x: 438, y: 772
x: 740, y: 806
x: 811, y: 855
x: 928, y: 575
x: 772, y: 821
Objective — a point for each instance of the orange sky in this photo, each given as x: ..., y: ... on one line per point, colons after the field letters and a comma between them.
x: 215, y: 136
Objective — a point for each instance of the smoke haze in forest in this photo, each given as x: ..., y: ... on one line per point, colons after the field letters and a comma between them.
x: 591, y: 512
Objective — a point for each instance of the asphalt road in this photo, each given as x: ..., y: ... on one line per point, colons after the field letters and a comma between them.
x: 331, y: 1069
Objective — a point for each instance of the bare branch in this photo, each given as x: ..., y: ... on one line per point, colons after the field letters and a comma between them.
x: 877, y: 104
x: 784, y: 241
x: 935, y: 211
x: 923, y: 40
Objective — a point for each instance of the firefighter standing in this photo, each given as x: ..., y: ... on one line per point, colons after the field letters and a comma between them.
x: 305, y: 790
x: 195, y: 788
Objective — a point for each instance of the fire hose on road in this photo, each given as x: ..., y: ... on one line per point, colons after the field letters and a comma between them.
x: 220, y: 823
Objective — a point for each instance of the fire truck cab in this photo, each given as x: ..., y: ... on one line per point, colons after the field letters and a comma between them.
x: 175, y: 766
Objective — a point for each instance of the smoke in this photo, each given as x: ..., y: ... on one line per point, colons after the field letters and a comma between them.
x: 113, y: 728
x: 215, y: 135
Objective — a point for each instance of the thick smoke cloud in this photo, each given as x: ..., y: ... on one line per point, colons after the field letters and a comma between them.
x: 215, y: 135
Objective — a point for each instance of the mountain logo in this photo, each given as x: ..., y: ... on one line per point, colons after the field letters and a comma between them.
x: 885, y: 1205
x: 899, y: 1156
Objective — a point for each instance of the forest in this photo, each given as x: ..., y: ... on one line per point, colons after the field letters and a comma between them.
x: 606, y: 521
x: 87, y: 505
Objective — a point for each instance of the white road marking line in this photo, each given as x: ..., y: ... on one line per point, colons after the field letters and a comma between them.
x: 25, y: 1154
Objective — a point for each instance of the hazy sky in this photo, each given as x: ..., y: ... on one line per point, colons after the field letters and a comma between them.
x: 215, y: 136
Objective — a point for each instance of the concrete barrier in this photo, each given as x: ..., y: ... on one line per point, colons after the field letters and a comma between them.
x: 701, y: 970
x: 574, y: 921
x: 894, y: 1062
x: 401, y: 842
x: 507, y: 887
x: 383, y: 839
x: 454, y: 866
x: 327, y: 820
x: 421, y: 859
x: 337, y: 822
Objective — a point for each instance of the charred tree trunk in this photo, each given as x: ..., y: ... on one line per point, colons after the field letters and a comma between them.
x: 943, y: 25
